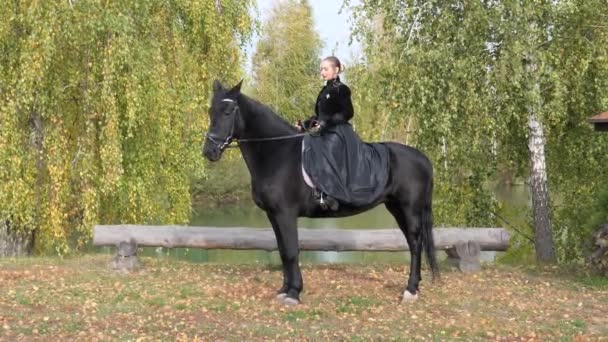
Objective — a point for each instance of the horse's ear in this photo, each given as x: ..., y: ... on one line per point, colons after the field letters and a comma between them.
x: 217, y: 86
x: 237, y: 88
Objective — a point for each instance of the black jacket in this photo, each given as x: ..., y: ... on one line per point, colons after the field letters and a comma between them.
x: 333, y: 106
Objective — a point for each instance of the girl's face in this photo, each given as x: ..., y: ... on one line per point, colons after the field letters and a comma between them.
x: 328, y: 70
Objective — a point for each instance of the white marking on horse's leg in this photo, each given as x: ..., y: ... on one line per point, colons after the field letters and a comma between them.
x: 290, y: 301
x: 281, y: 296
x: 408, y: 297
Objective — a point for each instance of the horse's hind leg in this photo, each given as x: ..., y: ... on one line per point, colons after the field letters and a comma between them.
x: 410, y: 226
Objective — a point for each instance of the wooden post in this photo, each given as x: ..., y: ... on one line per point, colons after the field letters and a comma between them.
x: 126, y: 259
x: 465, y: 255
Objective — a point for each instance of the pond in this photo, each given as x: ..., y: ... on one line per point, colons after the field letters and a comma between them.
x: 248, y: 215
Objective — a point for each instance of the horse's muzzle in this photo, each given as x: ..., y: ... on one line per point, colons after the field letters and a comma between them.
x: 211, y: 152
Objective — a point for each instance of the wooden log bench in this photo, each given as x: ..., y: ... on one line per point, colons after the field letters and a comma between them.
x: 463, y: 245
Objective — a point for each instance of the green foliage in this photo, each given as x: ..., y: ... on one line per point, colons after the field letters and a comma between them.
x: 286, y: 60
x: 577, y: 156
x: 224, y: 183
x: 428, y: 90
x: 450, y: 77
x: 579, y: 217
x: 101, y: 109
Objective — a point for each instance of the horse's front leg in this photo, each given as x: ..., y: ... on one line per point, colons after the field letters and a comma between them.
x: 282, y: 292
x: 285, y: 229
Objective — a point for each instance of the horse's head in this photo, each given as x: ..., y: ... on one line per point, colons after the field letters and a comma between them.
x: 225, y: 122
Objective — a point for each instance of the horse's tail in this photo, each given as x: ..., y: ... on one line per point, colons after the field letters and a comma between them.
x: 428, y: 242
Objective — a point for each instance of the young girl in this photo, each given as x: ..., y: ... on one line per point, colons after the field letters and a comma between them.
x: 333, y: 106
x: 343, y: 169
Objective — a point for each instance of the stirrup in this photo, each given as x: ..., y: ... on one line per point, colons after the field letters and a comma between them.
x: 318, y: 194
x: 326, y: 202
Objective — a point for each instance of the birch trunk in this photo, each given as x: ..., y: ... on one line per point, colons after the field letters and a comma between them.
x: 543, y: 235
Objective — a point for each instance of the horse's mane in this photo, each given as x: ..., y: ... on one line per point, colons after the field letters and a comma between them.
x: 265, y: 114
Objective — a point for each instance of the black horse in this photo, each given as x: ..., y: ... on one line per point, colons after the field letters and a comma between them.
x: 272, y: 149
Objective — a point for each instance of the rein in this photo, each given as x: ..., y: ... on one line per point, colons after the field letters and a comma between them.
x: 227, y: 142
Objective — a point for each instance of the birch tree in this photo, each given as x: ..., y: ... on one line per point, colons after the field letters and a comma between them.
x: 489, y: 84
x: 286, y: 60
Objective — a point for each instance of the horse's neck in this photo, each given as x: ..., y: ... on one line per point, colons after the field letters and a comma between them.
x: 261, y: 122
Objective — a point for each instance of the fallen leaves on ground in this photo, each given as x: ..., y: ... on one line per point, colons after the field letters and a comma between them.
x: 81, y: 299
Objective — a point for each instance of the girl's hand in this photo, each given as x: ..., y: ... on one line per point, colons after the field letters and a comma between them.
x: 298, y: 126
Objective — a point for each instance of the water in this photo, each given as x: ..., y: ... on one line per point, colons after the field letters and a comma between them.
x: 248, y: 215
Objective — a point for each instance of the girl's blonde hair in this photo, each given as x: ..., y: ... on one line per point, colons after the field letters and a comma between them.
x: 336, y: 62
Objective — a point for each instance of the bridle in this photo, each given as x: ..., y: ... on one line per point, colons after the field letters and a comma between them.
x: 226, y: 142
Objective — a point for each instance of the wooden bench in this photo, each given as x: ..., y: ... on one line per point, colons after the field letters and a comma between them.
x: 463, y: 245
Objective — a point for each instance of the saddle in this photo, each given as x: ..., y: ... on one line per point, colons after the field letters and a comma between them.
x: 325, y: 202
x: 340, y: 165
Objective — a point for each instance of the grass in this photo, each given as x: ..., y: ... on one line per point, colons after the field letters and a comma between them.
x: 81, y: 299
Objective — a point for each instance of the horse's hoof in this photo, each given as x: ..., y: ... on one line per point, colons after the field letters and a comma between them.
x: 408, y: 297
x: 290, y: 301
x: 281, y: 296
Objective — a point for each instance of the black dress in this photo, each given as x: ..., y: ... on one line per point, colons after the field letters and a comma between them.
x: 336, y: 160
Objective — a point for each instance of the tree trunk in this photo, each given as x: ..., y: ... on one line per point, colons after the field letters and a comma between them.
x: 13, y: 242
x: 543, y: 235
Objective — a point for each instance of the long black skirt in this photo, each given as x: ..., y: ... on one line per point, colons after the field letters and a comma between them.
x: 341, y: 165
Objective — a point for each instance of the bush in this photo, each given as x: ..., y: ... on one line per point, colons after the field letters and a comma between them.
x: 599, y: 259
x: 225, y: 182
